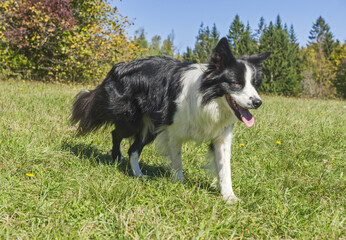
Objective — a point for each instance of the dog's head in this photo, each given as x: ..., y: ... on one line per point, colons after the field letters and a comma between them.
x: 234, y: 80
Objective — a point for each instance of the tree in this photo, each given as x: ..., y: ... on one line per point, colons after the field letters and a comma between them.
x: 320, y: 34
x: 338, y: 59
x: 202, y: 45
x: 29, y: 32
x: 292, y: 35
x: 167, y: 47
x: 278, y: 24
x: 206, y: 40
x: 318, y: 68
x: 140, y: 39
x: 155, y: 46
x: 241, y: 40
x: 189, y: 56
x: 281, y: 72
x: 261, y: 27
x: 235, y: 33
x: 62, y: 40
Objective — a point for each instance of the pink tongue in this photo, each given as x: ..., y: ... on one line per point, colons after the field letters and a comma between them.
x: 246, y: 116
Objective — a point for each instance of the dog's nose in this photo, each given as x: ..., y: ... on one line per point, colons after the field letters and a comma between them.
x: 256, y: 102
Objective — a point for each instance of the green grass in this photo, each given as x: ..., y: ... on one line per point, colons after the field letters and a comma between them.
x: 292, y: 190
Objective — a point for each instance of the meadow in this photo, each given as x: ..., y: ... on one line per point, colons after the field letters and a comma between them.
x: 288, y: 170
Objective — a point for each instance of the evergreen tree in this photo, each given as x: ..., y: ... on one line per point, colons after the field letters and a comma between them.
x: 206, y: 41
x: 240, y: 38
x: 278, y: 24
x: 320, y: 34
x: 319, y: 70
x: 215, y: 36
x: 140, y: 40
x: 155, y: 46
x: 167, y: 47
x: 235, y: 32
x: 281, y: 72
x: 189, y: 56
x: 292, y: 35
x: 338, y: 59
x: 261, y: 27
x: 247, y: 44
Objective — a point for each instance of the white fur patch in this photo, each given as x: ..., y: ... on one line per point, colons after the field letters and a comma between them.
x: 134, y: 164
x: 193, y: 121
x: 148, y: 127
x: 244, y: 97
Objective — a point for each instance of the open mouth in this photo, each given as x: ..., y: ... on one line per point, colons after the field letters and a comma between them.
x: 242, y: 114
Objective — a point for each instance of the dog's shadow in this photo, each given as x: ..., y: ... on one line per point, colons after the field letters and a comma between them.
x: 95, y: 157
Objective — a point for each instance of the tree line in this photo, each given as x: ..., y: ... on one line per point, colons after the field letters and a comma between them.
x: 316, y: 70
x: 78, y: 41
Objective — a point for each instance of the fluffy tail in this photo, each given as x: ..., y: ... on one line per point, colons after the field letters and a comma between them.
x: 88, y: 109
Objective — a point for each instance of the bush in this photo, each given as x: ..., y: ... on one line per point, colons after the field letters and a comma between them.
x: 62, y: 40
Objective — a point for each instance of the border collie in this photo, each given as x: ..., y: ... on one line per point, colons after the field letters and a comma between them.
x: 175, y: 102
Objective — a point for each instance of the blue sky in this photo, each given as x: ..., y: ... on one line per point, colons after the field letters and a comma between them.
x: 160, y: 17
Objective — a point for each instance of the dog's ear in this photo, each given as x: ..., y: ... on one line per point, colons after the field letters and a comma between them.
x: 222, y: 55
x: 257, y: 59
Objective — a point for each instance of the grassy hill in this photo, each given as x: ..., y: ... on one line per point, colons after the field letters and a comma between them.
x: 288, y: 170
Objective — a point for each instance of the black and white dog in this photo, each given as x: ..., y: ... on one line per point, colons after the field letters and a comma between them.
x: 175, y: 102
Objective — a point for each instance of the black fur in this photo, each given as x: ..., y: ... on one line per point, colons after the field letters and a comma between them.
x: 225, y: 74
x: 131, y: 90
x: 147, y: 88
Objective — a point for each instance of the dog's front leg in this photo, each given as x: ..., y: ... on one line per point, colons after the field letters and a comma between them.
x: 176, y: 164
x: 222, y: 154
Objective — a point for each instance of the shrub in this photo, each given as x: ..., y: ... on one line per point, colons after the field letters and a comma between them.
x: 62, y: 40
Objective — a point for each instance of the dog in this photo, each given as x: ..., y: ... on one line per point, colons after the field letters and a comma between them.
x: 173, y: 102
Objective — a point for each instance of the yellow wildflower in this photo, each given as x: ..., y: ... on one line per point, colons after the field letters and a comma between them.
x: 278, y: 142
x: 242, y: 144
x: 30, y: 175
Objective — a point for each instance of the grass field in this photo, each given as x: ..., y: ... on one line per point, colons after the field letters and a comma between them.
x: 288, y: 170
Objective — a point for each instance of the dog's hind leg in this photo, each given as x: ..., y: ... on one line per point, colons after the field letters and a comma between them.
x: 122, y: 130
x: 134, y: 153
x: 116, y: 152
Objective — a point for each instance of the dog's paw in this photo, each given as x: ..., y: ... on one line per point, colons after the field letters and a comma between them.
x: 231, y: 199
x: 144, y: 176
x: 178, y: 176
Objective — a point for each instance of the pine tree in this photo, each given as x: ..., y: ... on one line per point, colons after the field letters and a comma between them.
x: 278, y: 24
x: 140, y: 39
x: 281, y: 75
x: 247, y: 44
x: 320, y: 34
x: 189, y: 56
x: 155, y: 46
x: 292, y: 35
x: 319, y: 72
x: 205, y: 42
x: 235, y: 33
x: 241, y: 40
x: 338, y: 59
x: 261, y: 27
x: 167, y: 47
x: 215, y: 37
